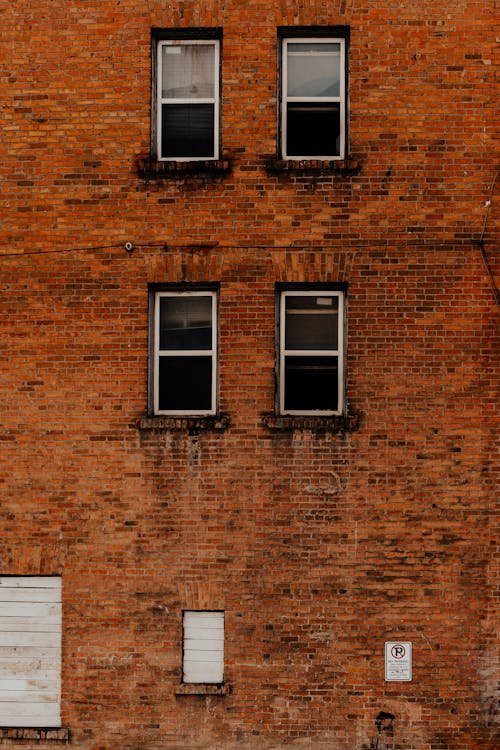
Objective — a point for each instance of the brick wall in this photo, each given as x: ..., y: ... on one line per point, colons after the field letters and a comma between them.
x: 319, y: 545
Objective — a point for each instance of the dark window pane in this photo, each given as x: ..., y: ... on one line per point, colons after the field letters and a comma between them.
x: 185, y: 384
x: 313, y: 129
x: 185, y: 323
x: 187, y: 130
x: 311, y: 322
x: 311, y: 383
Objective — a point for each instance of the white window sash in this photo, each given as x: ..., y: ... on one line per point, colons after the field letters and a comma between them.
x: 204, y: 100
x: 285, y: 99
x: 339, y: 352
x: 158, y: 353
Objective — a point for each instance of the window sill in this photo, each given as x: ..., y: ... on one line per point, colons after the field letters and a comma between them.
x: 16, y: 734
x: 342, y: 167
x: 218, y: 423
x: 347, y: 423
x: 150, y: 169
x: 203, y: 690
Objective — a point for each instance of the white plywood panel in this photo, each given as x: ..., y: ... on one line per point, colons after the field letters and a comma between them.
x: 51, y: 624
x: 202, y: 672
x: 203, y: 644
x: 212, y: 620
x: 31, y: 582
x: 30, y: 639
x: 30, y: 715
x: 16, y: 594
x: 39, y: 610
x: 44, y: 681
x: 30, y: 651
x: 29, y: 670
x: 203, y: 658
x: 32, y: 696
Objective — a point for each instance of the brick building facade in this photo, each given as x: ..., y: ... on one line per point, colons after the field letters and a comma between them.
x: 225, y: 527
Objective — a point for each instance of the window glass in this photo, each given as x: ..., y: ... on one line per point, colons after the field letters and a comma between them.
x: 187, y: 99
x: 311, y: 383
x: 313, y: 129
x: 187, y: 130
x: 185, y: 353
x: 313, y: 98
x: 311, y: 322
x: 311, y: 352
x: 185, y: 322
x: 188, y: 71
x: 185, y: 384
x: 313, y: 69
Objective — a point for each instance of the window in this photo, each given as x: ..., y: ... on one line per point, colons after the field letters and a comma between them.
x: 30, y: 651
x: 311, y: 375
x: 203, y: 647
x: 187, y: 97
x: 313, y: 96
x: 185, y: 347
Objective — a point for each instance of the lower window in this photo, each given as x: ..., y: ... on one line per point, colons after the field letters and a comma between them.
x: 203, y: 647
x: 30, y: 651
x: 184, y: 356
x: 311, y: 346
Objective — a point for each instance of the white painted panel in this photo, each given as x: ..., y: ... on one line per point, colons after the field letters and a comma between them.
x: 31, y: 582
x: 30, y: 651
x: 201, y: 672
x: 203, y: 644
x: 44, y: 681
x: 203, y: 658
x: 212, y: 620
x: 192, y: 631
x: 30, y: 639
x: 32, y: 696
x: 28, y: 671
x: 40, y: 610
x: 30, y: 715
x: 17, y: 594
x: 50, y: 624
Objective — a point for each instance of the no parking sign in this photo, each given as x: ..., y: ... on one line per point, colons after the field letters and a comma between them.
x: 398, y: 661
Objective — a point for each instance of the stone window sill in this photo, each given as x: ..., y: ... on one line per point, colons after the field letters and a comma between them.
x: 203, y: 690
x: 345, y: 423
x: 217, y: 423
x: 324, y: 168
x: 150, y: 169
x: 18, y: 734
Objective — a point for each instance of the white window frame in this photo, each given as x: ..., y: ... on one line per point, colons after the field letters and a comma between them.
x: 215, y: 100
x: 285, y: 99
x: 203, y: 647
x: 30, y: 654
x: 339, y: 352
x: 212, y: 352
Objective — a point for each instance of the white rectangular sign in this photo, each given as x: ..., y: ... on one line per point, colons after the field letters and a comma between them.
x: 398, y: 661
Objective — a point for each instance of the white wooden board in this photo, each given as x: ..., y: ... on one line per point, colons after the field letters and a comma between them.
x: 30, y: 651
x: 203, y: 657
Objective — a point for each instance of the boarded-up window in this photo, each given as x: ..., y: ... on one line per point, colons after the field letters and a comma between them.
x: 30, y: 651
x: 203, y: 647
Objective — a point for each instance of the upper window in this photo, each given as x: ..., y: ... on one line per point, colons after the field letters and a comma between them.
x: 185, y: 352
x: 187, y: 106
x: 203, y: 647
x: 311, y: 361
x: 30, y: 653
x: 313, y: 97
